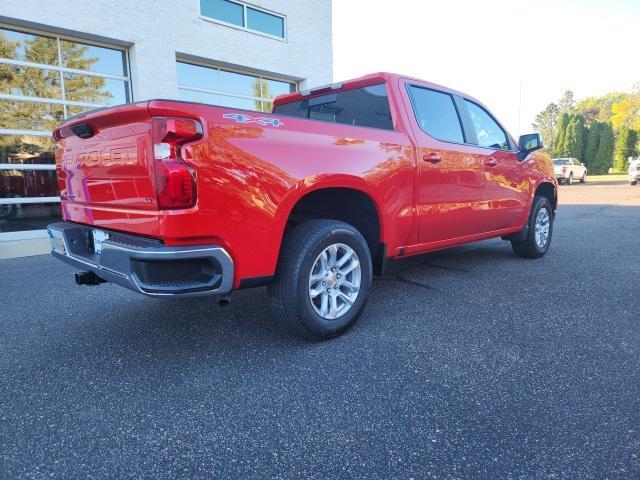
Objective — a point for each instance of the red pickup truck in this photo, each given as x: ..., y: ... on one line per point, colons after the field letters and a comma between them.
x: 177, y: 199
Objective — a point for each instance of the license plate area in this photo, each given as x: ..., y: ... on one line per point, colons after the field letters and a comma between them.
x: 57, y: 241
x: 98, y: 237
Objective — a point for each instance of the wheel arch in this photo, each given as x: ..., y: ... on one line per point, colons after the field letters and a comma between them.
x: 549, y: 190
x: 346, y: 199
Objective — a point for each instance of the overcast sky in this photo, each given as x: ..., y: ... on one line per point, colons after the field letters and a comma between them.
x: 487, y: 47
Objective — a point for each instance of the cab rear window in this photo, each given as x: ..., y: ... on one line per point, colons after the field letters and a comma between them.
x: 365, y: 107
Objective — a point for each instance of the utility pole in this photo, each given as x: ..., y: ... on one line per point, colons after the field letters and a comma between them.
x: 520, y: 109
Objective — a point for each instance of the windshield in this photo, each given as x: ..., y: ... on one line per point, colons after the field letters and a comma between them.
x: 562, y: 161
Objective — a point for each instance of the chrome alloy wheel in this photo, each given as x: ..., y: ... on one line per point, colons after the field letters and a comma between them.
x: 542, y: 227
x: 334, y: 282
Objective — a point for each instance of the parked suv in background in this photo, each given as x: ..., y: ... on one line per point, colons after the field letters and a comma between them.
x: 634, y: 171
x: 569, y: 169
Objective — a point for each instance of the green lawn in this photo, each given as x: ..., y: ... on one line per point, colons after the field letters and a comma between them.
x: 610, y: 178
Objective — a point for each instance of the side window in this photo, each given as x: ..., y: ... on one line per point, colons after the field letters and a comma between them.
x: 488, y: 132
x: 436, y: 114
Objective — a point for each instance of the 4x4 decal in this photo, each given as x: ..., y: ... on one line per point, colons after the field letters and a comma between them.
x: 243, y: 118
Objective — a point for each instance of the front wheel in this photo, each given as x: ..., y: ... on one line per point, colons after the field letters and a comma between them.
x: 584, y: 178
x: 633, y: 182
x: 323, y: 278
x: 540, y: 230
x: 569, y: 180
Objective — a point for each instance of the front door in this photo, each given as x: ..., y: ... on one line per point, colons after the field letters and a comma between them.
x: 506, y: 187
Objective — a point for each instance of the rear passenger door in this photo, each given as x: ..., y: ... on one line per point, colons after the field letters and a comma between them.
x: 450, y: 182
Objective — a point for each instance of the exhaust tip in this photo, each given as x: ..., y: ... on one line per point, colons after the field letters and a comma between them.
x: 224, y: 301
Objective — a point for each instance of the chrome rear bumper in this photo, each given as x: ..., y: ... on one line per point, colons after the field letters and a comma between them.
x: 143, y: 265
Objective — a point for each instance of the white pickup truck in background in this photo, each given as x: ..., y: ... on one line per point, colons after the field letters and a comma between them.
x: 634, y: 171
x: 569, y: 169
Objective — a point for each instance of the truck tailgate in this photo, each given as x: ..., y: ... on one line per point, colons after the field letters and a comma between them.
x: 105, y: 169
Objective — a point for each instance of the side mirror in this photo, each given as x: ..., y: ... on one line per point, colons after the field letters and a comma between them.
x: 582, y: 164
x: 529, y: 143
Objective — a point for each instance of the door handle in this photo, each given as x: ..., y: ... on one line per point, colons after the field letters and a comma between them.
x: 432, y: 157
x: 491, y: 162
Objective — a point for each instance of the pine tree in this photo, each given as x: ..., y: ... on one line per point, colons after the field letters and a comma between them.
x: 574, y: 141
x: 570, y: 138
x: 560, y: 149
x: 545, y: 124
x: 604, y: 156
x: 593, y: 141
x: 625, y: 148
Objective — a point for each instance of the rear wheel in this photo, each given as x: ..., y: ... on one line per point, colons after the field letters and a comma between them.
x: 633, y: 182
x: 540, y: 231
x: 569, y: 180
x: 323, y: 279
x: 584, y: 178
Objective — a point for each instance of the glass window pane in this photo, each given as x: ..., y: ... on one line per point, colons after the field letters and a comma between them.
x: 231, y: 82
x: 267, y: 106
x: 28, y: 48
x: 30, y: 115
x: 91, y: 89
x: 28, y: 183
x: 31, y: 82
x: 488, y: 132
x: 14, y: 184
x: 436, y: 114
x: 73, y: 110
x: 26, y: 149
x: 94, y: 59
x: 224, y: 10
x: 273, y: 88
x: 243, y: 103
x: 198, y: 97
x: 196, y: 76
x: 27, y: 216
x: 265, y: 22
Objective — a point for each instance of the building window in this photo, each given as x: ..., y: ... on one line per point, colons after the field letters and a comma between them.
x: 45, y: 79
x: 229, y: 89
x: 244, y: 16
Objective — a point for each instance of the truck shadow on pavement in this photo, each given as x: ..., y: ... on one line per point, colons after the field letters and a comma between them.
x: 121, y: 324
x: 199, y: 327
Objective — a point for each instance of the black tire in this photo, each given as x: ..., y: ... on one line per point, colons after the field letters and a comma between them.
x: 635, y: 182
x: 569, y: 180
x: 528, y: 248
x: 584, y: 178
x: 289, y: 292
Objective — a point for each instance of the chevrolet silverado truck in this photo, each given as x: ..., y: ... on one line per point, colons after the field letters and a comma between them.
x: 170, y: 198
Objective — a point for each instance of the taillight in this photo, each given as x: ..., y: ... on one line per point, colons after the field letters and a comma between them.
x: 175, y: 181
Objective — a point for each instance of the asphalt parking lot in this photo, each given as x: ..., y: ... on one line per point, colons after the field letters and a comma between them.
x: 469, y: 363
